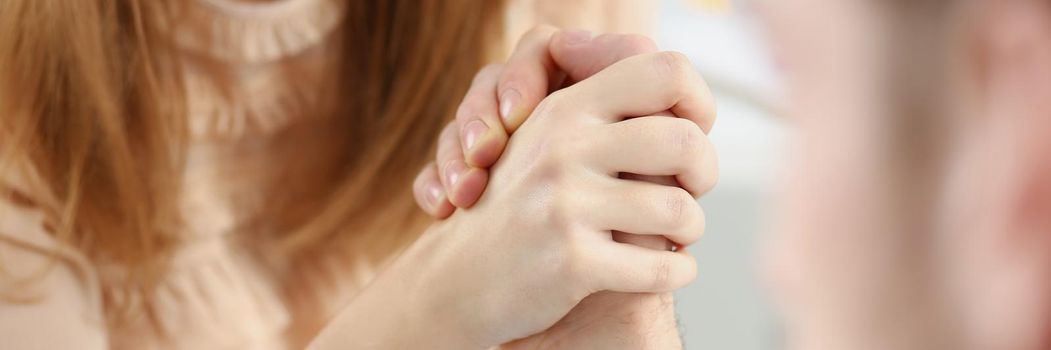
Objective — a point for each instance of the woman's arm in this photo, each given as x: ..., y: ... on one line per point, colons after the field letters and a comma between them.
x: 398, y: 310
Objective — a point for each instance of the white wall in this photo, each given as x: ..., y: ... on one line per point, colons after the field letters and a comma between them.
x: 725, y: 308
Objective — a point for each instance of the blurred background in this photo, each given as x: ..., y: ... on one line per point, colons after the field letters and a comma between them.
x: 726, y: 308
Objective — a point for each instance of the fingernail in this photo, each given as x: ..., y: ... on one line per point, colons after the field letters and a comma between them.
x: 508, y: 99
x: 453, y: 170
x: 473, y: 131
x: 434, y: 195
x: 576, y: 37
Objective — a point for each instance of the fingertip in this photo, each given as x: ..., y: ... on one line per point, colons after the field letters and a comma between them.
x: 452, y: 172
x: 487, y: 149
x: 469, y: 189
x: 473, y: 132
x: 429, y: 193
x: 689, y: 274
x: 443, y: 210
x: 511, y: 108
x: 707, y: 177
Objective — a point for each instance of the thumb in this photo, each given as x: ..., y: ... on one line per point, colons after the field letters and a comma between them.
x: 580, y: 56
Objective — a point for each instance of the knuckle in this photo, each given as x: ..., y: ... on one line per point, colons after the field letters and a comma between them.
x: 479, y: 97
x: 560, y: 214
x: 676, y: 69
x: 677, y: 207
x: 510, y: 78
x: 549, y: 160
x: 561, y: 155
x: 471, y: 106
x: 549, y: 192
x: 671, y: 63
x: 661, y: 274
x: 572, y: 144
x: 688, y: 139
x: 514, y: 75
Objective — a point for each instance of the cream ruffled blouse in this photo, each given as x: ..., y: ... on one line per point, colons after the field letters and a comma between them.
x: 271, y: 56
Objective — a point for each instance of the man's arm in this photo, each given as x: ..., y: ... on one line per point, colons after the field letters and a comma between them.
x: 607, y: 320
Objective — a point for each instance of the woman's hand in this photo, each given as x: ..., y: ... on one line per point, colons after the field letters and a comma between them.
x: 500, y: 99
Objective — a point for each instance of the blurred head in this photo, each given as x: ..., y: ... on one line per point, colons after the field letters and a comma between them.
x: 916, y: 209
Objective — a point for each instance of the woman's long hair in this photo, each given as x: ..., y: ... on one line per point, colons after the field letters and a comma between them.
x: 91, y: 101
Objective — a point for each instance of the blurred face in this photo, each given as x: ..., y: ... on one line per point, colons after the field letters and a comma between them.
x: 837, y: 262
x: 914, y: 211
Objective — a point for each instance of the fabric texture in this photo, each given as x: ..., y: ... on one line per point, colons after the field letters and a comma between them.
x: 251, y: 69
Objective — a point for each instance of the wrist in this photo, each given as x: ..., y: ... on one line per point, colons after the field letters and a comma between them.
x: 399, y: 310
x: 432, y: 297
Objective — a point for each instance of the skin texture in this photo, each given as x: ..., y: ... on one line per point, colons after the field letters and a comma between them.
x: 535, y: 243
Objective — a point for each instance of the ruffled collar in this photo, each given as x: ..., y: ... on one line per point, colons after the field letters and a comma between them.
x: 245, y: 32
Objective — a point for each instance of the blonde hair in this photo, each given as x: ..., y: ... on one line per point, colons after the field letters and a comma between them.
x: 91, y: 99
